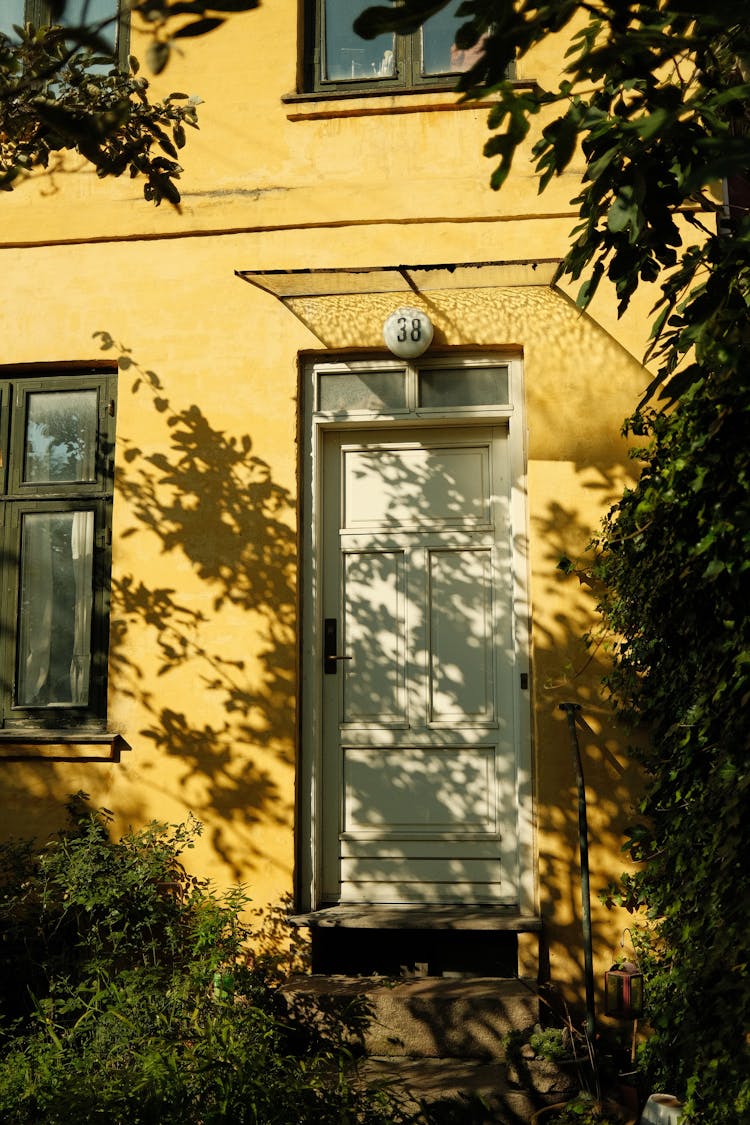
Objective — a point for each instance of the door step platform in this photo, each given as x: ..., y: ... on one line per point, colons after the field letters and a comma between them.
x: 375, y: 916
x: 425, y: 1017
x: 466, y: 1092
x: 426, y: 940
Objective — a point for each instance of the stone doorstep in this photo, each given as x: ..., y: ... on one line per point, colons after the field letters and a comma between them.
x: 424, y: 1017
x: 481, y: 1089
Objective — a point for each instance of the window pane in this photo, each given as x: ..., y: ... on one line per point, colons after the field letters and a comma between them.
x: 463, y: 386
x: 55, y: 604
x: 11, y: 14
x: 366, y: 390
x: 439, y: 53
x: 346, y: 55
x: 100, y: 14
x: 60, y: 437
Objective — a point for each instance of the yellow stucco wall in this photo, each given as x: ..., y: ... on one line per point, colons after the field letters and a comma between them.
x: 203, y: 682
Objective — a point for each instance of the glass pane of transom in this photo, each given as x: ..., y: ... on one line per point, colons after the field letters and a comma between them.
x: 376, y: 391
x: 60, y: 445
x: 347, y: 57
x: 439, y: 52
x: 55, y: 607
x: 463, y: 386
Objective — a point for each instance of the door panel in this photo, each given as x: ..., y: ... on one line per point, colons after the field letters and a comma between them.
x: 461, y: 635
x: 403, y: 487
x: 419, y: 789
x: 419, y: 799
x: 374, y: 605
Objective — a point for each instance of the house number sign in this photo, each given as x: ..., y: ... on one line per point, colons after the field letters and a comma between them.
x: 408, y: 333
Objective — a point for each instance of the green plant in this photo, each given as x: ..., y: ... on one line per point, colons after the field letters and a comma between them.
x: 131, y: 994
x: 60, y: 91
x: 675, y: 589
x: 585, y: 1110
x: 552, y: 1043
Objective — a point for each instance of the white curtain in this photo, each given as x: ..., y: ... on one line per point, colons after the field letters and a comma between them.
x: 82, y: 542
x: 55, y: 609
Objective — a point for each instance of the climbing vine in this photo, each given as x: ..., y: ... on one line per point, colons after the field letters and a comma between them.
x: 674, y: 561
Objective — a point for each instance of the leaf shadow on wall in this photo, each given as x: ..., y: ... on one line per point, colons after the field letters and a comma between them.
x: 571, y: 658
x: 213, y: 505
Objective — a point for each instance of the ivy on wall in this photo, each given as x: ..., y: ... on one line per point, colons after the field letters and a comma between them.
x: 674, y: 560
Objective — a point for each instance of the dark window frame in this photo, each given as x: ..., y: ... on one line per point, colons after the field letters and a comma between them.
x: 408, y: 77
x: 19, y: 498
x: 38, y: 12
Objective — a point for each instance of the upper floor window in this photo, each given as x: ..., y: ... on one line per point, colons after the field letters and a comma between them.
x: 104, y: 16
x: 337, y: 59
x: 56, y: 481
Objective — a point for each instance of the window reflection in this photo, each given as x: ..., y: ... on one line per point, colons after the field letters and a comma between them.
x: 61, y: 431
x: 440, y: 55
x: 346, y: 55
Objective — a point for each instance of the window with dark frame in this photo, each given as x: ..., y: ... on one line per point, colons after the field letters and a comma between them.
x: 106, y: 16
x: 56, y: 481
x: 337, y: 60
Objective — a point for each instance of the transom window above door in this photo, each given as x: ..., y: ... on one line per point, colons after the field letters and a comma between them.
x: 337, y: 59
x: 360, y: 389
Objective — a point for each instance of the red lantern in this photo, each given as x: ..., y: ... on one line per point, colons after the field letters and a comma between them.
x: 623, y: 991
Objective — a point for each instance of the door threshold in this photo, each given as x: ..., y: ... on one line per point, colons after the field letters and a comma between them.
x: 388, y: 916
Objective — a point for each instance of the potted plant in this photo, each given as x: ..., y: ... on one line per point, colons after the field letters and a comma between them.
x: 593, y: 1072
x: 584, y: 1109
x: 542, y: 1060
x: 599, y: 1100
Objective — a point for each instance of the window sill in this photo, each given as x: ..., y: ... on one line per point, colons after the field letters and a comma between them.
x: 61, y: 745
x: 344, y: 93
x: 361, y: 103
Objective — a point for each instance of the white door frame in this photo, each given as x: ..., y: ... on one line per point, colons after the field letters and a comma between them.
x: 315, y: 423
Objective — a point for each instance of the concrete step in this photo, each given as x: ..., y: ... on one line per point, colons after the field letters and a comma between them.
x: 456, y: 1091
x: 419, y: 1017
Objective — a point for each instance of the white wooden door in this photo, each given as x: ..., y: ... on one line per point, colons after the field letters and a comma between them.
x: 419, y: 798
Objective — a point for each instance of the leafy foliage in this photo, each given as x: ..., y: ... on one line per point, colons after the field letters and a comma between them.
x: 653, y: 106
x: 133, y: 993
x: 553, y: 1043
x: 61, y: 90
x: 674, y: 567
x: 585, y: 1110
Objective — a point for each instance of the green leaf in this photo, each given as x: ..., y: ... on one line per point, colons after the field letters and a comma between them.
x: 624, y: 211
x: 590, y: 286
x: 715, y: 567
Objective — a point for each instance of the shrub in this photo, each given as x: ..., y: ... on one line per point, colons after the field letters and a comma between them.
x: 129, y: 995
x: 675, y: 568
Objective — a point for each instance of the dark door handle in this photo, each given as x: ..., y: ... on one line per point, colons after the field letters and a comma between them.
x: 330, y: 656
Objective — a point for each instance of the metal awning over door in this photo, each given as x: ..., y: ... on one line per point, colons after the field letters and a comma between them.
x: 291, y: 283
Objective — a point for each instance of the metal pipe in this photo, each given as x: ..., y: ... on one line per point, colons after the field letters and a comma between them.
x: 571, y: 709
